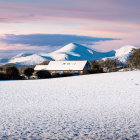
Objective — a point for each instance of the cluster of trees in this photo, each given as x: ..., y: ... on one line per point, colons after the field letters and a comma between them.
x: 42, y: 74
x: 113, y: 65
x: 95, y: 67
x: 28, y: 72
x: 134, y: 61
x: 11, y: 73
x: 107, y: 65
x: 14, y: 73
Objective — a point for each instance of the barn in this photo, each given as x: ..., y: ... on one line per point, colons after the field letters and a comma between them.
x: 65, y: 66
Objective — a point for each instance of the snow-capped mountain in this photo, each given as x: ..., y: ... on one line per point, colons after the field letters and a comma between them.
x: 76, y: 51
x: 123, y: 53
x: 71, y: 51
x: 27, y: 59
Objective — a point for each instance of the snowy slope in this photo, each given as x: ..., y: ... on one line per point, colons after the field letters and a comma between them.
x: 27, y: 59
x: 99, y: 106
x: 76, y: 51
x: 124, y: 50
x: 71, y: 51
x: 123, y: 53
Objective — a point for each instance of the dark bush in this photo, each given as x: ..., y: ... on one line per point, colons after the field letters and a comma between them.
x: 66, y: 74
x: 55, y: 75
x: 109, y: 65
x: 42, y: 74
x: 12, y: 73
x: 28, y: 72
x: 1, y: 68
x: 3, y: 76
x: 95, y: 67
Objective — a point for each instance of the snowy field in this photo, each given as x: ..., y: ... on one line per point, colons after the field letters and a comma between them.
x: 98, y: 106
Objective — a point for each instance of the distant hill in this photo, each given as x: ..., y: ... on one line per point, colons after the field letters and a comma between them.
x: 72, y: 51
x: 76, y: 51
x: 123, y: 53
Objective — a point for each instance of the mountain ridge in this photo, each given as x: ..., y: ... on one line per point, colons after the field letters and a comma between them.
x: 72, y: 51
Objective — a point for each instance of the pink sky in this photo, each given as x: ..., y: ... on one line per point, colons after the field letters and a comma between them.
x: 95, y: 18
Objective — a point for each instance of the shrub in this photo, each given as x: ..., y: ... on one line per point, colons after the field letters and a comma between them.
x: 43, y: 74
x: 66, y: 74
x: 1, y: 68
x: 109, y: 65
x: 55, y: 75
x: 12, y: 73
x: 95, y: 67
x: 28, y: 72
x: 3, y: 76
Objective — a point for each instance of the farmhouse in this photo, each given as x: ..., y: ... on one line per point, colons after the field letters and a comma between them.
x: 65, y: 66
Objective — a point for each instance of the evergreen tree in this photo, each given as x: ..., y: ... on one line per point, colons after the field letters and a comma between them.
x: 12, y: 73
x: 43, y: 74
x: 28, y: 72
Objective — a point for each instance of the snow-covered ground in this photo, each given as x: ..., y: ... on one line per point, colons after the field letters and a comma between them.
x: 98, y: 106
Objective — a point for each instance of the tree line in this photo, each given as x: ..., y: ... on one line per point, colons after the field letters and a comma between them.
x: 14, y: 73
x: 11, y: 72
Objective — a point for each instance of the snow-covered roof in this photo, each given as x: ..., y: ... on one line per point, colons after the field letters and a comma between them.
x: 41, y: 67
x: 62, y: 65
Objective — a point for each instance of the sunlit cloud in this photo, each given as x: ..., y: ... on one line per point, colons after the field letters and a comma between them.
x: 112, y: 10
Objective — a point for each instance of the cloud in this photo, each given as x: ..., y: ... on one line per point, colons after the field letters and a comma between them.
x: 50, y: 40
x: 42, y: 42
x: 105, y: 10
